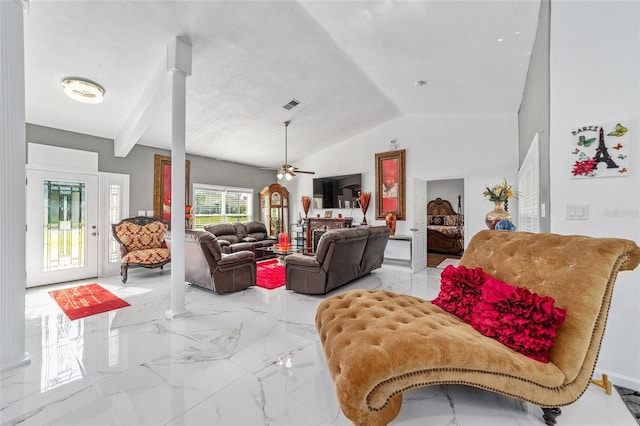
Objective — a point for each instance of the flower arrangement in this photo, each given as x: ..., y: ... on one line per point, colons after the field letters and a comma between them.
x: 500, y: 192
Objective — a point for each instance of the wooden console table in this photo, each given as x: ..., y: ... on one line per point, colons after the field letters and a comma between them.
x: 323, y: 225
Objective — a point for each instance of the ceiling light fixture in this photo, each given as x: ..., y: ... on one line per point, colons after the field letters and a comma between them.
x: 82, y: 90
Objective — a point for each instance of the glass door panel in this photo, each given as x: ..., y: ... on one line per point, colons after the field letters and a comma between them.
x: 61, y: 227
x: 64, y: 225
x: 115, y: 215
x: 114, y: 206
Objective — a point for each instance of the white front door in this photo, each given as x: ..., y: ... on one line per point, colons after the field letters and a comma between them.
x: 62, y: 226
x: 419, y: 230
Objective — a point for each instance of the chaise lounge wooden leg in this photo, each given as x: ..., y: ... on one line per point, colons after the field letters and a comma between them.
x: 550, y: 414
x: 123, y: 273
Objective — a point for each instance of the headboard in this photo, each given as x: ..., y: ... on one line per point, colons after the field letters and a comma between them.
x: 440, y: 207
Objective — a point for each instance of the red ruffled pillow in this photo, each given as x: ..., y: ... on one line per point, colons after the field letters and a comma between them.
x: 460, y: 290
x: 518, y: 318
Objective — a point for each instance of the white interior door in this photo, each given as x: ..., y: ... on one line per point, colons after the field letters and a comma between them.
x: 419, y: 230
x: 62, y: 226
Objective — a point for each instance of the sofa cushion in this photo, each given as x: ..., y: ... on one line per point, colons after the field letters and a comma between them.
x: 223, y: 231
x: 241, y: 231
x: 141, y: 237
x: 460, y: 290
x: 340, y: 236
x: 370, y: 328
x: 147, y: 256
x: 256, y: 230
x: 518, y: 318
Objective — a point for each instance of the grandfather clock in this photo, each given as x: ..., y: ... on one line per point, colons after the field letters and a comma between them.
x: 274, y: 208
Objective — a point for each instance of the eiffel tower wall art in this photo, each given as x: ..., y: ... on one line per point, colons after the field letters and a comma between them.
x: 600, y: 150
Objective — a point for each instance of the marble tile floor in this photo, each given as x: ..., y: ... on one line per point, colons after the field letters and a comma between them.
x: 632, y: 400
x: 247, y: 358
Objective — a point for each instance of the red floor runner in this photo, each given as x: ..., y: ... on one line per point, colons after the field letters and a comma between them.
x: 270, y: 274
x: 85, y: 300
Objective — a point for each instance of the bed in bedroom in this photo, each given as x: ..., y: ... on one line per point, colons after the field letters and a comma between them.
x: 444, y: 227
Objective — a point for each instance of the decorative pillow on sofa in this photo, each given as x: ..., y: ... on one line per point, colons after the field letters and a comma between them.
x: 518, y: 318
x: 460, y: 290
x: 436, y: 220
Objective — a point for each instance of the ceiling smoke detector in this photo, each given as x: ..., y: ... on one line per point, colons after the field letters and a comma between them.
x: 82, y: 90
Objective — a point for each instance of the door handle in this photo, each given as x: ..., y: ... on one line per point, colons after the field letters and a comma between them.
x: 93, y: 227
x: 94, y: 234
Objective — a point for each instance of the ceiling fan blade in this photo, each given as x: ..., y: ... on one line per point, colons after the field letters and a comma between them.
x: 305, y: 171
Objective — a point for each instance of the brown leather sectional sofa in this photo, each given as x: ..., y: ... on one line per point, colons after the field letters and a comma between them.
x: 234, y: 237
x: 207, y: 267
x: 342, y: 256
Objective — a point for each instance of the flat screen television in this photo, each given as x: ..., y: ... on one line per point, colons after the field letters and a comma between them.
x: 336, y: 192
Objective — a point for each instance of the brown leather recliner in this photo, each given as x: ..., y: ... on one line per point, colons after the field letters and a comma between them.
x: 342, y: 256
x: 207, y: 267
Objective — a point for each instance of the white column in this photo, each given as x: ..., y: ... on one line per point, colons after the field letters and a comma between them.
x: 179, y: 64
x: 12, y: 186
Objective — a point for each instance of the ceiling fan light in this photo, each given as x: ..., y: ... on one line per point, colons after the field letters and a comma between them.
x: 288, y: 176
x: 82, y: 90
x: 280, y: 175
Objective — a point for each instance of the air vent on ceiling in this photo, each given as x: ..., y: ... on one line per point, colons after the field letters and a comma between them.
x: 291, y: 104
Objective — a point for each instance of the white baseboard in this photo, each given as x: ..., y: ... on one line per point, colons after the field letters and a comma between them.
x: 619, y: 379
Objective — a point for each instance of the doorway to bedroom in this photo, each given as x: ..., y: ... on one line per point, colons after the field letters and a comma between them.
x: 445, y: 221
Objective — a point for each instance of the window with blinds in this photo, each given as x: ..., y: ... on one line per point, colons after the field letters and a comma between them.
x: 528, y: 189
x: 216, y: 204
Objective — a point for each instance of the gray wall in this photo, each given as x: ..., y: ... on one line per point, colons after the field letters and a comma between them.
x: 534, y: 113
x: 139, y: 166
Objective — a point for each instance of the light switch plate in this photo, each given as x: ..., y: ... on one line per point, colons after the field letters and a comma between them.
x: 577, y: 211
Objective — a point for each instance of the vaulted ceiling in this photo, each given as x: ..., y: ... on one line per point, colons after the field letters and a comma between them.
x: 353, y: 65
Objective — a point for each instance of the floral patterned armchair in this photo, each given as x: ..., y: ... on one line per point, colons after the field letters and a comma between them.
x: 141, y: 243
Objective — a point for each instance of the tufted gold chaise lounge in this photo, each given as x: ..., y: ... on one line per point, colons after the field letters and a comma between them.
x: 379, y: 344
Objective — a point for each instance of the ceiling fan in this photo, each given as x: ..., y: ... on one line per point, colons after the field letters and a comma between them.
x: 288, y: 171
